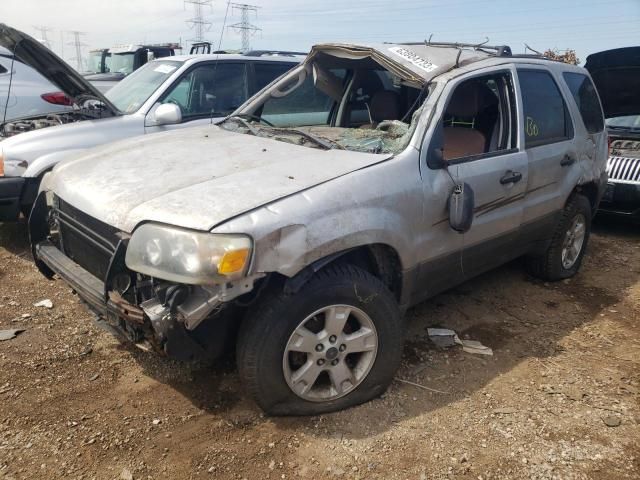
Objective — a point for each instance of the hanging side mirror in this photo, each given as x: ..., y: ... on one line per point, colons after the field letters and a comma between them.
x: 461, y: 206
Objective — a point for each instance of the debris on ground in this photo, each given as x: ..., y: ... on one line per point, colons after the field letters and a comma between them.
x: 445, y: 338
x: 46, y: 303
x: 10, y: 333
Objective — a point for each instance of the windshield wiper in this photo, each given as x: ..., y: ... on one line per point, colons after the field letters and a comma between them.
x: 246, y: 124
x: 324, y: 143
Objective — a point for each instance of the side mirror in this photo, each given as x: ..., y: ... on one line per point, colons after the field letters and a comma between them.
x: 435, y: 153
x: 168, y: 114
x: 461, y: 206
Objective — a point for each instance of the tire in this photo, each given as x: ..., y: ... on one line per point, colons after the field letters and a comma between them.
x: 551, y: 265
x: 268, y: 332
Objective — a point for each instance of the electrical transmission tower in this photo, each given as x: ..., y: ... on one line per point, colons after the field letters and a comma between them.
x: 246, y: 29
x: 198, y: 23
x: 43, y: 34
x: 77, y: 44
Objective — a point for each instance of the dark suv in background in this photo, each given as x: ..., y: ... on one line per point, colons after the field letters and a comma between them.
x: 616, y: 74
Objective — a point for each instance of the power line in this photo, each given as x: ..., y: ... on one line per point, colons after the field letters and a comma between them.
x: 244, y: 27
x: 77, y: 44
x: 43, y: 35
x: 198, y: 22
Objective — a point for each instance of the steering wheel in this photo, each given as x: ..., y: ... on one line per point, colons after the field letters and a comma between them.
x: 254, y: 117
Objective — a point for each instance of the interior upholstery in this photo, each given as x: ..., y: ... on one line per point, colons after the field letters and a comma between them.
x: 472, y: 101
x: 385, y: 105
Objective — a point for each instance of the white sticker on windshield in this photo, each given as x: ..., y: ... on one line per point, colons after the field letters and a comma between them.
x: 164, y: 68
x: 414, y: 59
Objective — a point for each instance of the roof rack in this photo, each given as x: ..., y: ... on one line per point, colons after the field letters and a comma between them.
x: 499, y: 50
x: 200, y: 47
x: 265, y: 53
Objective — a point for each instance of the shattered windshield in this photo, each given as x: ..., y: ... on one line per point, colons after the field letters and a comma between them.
x: 129, y: 94
x: 351, y: 105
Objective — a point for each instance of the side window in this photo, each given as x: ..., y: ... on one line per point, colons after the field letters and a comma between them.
x: 210, y: 90
x: 479, y: 117
x: 305, y: 105
x: 584, y: 93
x: 265, y: 73
x: 3, y: 70
x: 546, y: 119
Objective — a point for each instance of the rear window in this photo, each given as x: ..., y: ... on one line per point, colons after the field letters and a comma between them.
x: 268, y: 72
x: 546, y: 119
x: 584, y: 93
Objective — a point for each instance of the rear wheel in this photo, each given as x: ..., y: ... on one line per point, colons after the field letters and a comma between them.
x: 568, y: 243
x: 334, y: 344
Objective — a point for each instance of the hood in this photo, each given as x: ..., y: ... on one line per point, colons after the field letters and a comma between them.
x: 194, y: 178
x: 29, y: 146
x: 616, y: 74
x: 29, y: 51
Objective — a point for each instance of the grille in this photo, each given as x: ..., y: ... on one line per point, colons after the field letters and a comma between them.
x: 85, y: 240
x: 624, y: 169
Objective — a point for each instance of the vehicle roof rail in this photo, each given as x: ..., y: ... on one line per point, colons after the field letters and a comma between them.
x: 200, y: 47
x: 498, y: 50
x: 264, y: 53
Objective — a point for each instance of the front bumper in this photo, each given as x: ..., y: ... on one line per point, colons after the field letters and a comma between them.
x: 146, y: 325
x: 10, y: 194
x: 621, y: 199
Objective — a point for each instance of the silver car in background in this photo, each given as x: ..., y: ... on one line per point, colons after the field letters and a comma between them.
x: 29, y: 93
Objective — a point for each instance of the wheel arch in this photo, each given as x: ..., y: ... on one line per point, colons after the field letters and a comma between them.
x: 379, y: 259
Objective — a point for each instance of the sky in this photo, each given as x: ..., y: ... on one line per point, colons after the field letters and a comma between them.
x: 584, y: 25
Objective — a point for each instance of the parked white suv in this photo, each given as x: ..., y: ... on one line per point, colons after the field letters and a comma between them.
x: 362, y: 182
x: 165, y: 94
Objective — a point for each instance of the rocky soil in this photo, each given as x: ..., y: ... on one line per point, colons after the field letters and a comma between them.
x: 559, y: 399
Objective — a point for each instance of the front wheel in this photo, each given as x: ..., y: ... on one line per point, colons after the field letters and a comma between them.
x: 568, y: 242
x: 334, y: 344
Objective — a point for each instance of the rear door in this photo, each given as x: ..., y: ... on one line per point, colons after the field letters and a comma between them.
x: 263, y: 73
x: 551, y: 147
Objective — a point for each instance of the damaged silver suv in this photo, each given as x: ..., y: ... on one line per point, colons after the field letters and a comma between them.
x: 303, y: 226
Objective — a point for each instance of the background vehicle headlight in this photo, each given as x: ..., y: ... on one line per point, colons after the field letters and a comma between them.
x: 187, y: 256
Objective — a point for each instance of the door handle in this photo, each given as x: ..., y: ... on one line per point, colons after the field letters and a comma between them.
x: 510, y: 177
x: 567, y: 160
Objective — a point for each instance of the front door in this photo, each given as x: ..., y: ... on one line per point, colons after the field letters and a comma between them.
x: 206, y: 92
x: 481, y: 149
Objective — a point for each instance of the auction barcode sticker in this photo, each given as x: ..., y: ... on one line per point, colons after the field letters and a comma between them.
x: 414, y: 58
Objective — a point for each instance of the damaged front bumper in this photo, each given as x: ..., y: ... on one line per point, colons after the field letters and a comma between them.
x: 181, y: 321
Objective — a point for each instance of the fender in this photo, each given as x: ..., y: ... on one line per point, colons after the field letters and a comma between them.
x: 46, y: 162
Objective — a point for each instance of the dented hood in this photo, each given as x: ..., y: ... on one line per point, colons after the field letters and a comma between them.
x: 29, y: 51
x: 194, y: 178
x: 616, y: 74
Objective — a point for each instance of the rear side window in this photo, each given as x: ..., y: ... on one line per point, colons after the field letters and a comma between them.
x: 268, y: 72
x: 584, y: 93
x: 546, y: 119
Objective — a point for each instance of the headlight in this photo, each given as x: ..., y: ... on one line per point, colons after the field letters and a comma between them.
x: 186, y: 256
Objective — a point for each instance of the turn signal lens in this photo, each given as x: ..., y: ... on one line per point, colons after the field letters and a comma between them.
x: 1, y: 166
x: 233, y: 262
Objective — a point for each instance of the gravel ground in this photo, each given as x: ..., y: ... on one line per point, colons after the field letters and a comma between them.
x: 560, y: 397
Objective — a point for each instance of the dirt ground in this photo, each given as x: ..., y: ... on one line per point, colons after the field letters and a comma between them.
x: 560, y: 397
